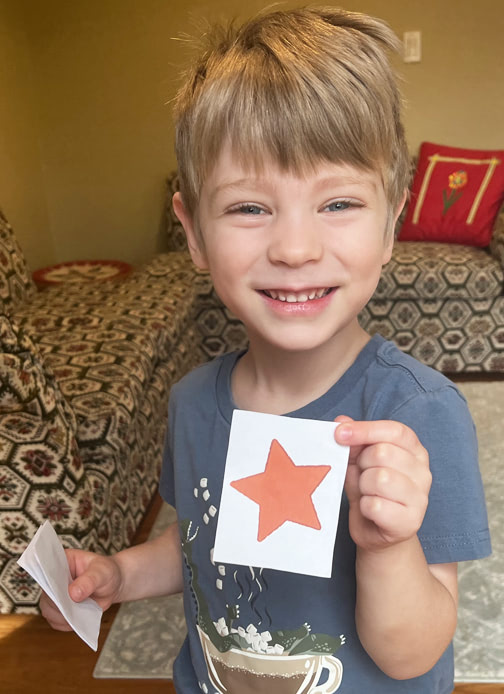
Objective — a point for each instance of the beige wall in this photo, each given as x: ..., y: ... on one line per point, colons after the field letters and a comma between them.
x: 104, y: 70
x: 22, y: 196
x: 455, y: 95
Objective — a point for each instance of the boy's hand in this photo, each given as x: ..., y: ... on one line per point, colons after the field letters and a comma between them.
x: 387, y: 482
x: 96, y: 576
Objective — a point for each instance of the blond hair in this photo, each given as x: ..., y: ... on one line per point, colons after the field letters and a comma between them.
x: 297, y: 87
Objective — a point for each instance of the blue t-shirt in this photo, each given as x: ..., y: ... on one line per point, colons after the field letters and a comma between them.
x: 262, y: 630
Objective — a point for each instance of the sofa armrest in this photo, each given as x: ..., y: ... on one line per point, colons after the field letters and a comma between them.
x: 497, y: 243
x: 16, y: 284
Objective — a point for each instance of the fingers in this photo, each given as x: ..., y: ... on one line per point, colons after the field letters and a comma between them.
x: 96, y: 576
x: 395, y: 521
x: 385, y: 444
x: 352, y: 479
x: 52, y: 614
x: 387, y: 481
x: 392, y: 485
x: 351, y: 433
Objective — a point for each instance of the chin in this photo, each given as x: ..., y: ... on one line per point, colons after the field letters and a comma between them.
x: 295, y: 344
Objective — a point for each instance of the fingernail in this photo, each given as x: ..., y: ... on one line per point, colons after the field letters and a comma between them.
x: 344, y: 432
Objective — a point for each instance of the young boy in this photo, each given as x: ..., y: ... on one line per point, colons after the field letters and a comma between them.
x: 293, y: 170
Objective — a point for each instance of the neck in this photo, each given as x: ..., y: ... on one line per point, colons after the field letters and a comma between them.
x: 275, y: 381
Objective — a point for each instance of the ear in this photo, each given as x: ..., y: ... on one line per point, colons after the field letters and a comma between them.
x: 194, y: 241
x: 390, y: 236
x: 401, y: 205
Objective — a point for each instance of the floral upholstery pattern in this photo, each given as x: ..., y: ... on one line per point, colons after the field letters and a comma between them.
x: 41, y: 471
x: 429, y: 270
x: 16, y: 283
x: 85, y: 374
x: 443, y: 303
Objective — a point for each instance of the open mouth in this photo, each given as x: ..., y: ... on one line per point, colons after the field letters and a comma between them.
x: 297, y: 297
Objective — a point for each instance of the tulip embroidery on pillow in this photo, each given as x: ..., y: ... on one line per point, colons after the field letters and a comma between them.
x: 456, y: 181
x: 456, y: 196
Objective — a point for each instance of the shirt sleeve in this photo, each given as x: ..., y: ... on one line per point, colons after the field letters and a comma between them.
x: 455, y: 527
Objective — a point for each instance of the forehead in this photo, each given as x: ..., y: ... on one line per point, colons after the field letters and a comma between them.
x: 233, y: 172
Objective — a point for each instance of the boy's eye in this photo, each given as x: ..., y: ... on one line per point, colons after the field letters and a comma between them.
x: 247, y: 208
x: 339, y: 205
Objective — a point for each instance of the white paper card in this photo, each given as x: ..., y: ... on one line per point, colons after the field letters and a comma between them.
x: 281, y: 495
x: 45, y: 560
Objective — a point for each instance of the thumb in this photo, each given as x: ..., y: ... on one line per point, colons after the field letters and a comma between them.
x: 353, y: 473
x: 339, y: 435
x: 84, y: 586
x: 343, y: 418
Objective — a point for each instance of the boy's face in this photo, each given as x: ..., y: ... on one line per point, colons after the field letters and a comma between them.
x: 295, y: 258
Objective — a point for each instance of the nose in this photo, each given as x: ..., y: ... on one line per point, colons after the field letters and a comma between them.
x: 294, y: 241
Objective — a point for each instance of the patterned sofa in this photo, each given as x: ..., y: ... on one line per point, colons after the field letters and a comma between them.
x: 441, y: 302
x: 85, y: 373
x: 444, y: 303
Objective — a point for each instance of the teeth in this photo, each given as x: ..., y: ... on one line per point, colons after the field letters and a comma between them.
x: 293, y: 297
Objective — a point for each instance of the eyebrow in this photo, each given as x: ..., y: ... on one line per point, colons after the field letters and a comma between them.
x: 258, y: 183
x: 266, y: 186
x: 337, y: 180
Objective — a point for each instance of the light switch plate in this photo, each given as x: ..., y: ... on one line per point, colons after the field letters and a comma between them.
x: 412, y: 42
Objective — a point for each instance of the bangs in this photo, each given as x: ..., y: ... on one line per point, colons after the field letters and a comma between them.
x: 297, y: 96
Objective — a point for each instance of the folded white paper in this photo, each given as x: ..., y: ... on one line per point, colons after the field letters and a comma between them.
x: 45, y: 560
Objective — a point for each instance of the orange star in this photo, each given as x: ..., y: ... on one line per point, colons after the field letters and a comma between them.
x: 283, y: 491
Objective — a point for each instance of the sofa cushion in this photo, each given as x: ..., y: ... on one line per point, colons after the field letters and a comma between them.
x: 456, y: 195
x: 16, y: 283
x: 41, y: 472
x: 438, y: 271
x: 104, y: 346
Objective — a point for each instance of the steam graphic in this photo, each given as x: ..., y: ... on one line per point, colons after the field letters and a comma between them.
x: 256, y: 585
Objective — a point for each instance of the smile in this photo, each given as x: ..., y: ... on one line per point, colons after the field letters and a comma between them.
x: 297, y: 297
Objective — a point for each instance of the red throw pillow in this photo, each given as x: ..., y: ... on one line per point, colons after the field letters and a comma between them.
x: 456, y: 195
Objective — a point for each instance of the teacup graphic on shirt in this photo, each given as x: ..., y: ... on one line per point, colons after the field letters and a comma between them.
x: 239, y: 671
x: 245, y: 661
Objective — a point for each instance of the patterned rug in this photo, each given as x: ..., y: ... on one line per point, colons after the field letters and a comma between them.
x: 146, y: 635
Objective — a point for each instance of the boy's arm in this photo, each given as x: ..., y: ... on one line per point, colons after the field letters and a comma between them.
x: 148, y: 570
x: 406, y: 609
x: 152, y: 568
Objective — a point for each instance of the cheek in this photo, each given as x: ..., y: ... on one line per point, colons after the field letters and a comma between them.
x: 231, y: 253
x: 227, y: 267
x: 362, y: 255
x: 372, y: 263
